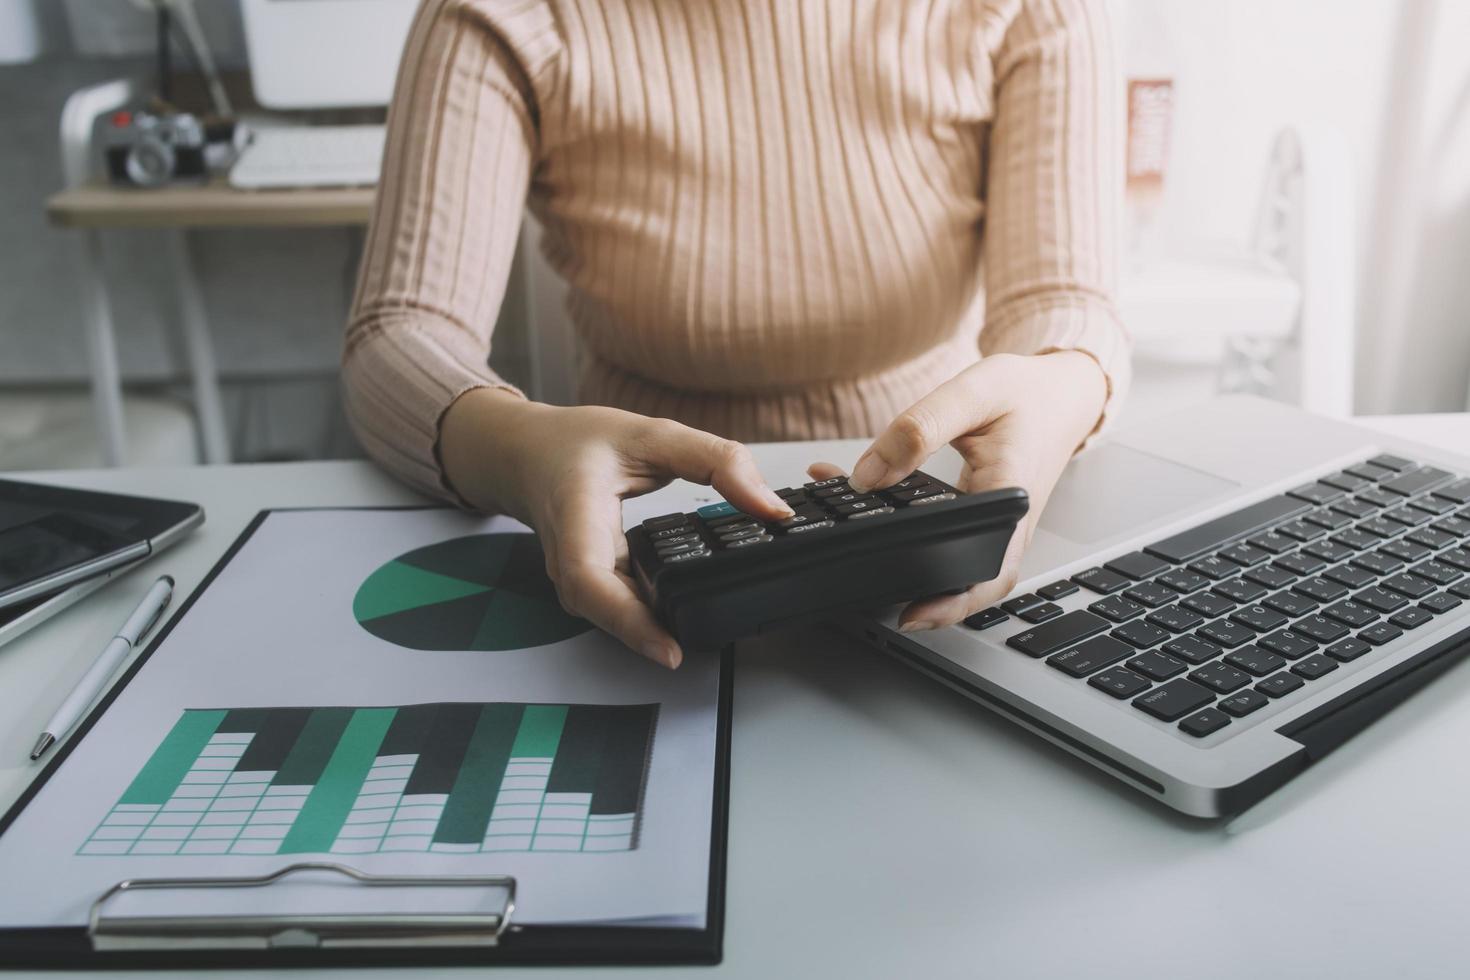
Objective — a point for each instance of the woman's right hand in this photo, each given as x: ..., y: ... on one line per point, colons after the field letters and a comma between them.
x: 566, y: 471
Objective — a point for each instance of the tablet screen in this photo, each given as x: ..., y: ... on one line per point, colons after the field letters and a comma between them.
x: 36, y: 545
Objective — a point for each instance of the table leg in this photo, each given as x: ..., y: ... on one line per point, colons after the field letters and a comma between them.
x: 199, y: 348
x: 107, y: 399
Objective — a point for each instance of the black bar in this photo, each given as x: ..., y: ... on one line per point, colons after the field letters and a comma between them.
x: 273, y: 740
x: 625, y: 748
x: 244, y: 720
x: 409, y: 731
x: 1190, y: 544
x: 579, y: 753
x: 443, y: 752
x: 308, y: 757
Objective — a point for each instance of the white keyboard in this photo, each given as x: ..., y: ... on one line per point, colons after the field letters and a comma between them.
x: 310, y: 156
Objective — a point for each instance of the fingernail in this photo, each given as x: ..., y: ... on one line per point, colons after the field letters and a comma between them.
x: 657, y: 652
x: 916, y: 626
x: 781, y: 506
x: 868, y: 471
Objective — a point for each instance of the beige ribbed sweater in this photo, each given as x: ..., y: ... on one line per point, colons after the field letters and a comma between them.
x: 771, y: 213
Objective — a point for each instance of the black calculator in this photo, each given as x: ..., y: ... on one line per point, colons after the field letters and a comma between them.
x: 718, y: 574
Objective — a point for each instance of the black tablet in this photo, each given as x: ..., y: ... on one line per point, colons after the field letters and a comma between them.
x: 52, y: 537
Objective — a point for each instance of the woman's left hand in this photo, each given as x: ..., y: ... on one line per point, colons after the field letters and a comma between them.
x: 1016, y: 421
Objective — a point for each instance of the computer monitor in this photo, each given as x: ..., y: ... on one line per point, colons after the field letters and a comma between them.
x: 325, y: 54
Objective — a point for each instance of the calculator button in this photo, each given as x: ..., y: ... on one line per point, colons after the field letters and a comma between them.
x: 910, y: 494
x: 807, y: 515
x: 674, y: 535
x: 813, y: 526
x: 915, y: 480
x: 747, y: 542
x: 786, y: 493
x: 722, y: 509
x: 665, y: 522
x: 933, y: 498
x: 663, y: 551
x: 743, y: 532
x: 835, y: 490
x: 848, y: 497
x: 831, y: 481
x: 687, y: 556
x: 863, y: 514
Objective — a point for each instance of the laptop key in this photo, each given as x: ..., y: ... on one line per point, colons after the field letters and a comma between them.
x: 1348, y: 649
x: 1379, y: 564
x: 1210, y: 535
x: 1390, y: 462
x: 1117, y: 608
x: 1346, y: 480
x: 1244, y: 554
x: 985, y: 618
x: 1151, y: 594
x: 1462, y: 590
x: 1350, y: 575
x: 1253, y: 660
x: 1432, y: 538
x: 1157, y: 666
x: 1090, y: 656
x: 1137, y: 565
x: 1408, y: 516
x: 1381, y: 633
x: 1119, y: 682
x: 1328, y: 551
x: 1214, y: 567
x: 1220, y: 678
x: 1459, y: 557
x: 1184, y: 581
x: 1258, y: 618
x: 1320, y: 589
x: 1057, y: 590
x: 1351, y: 613
x: 1288, y: 643
x: 1380, y: 528
x: 1314, y: 667
x: 1458, y: 492
x: 1440, y: 573
x: 1174, y: 700
x: 1192, y: 649
x: 1414, y: 481
x: 1140, y: 634
x: 1101, y: 581
x: 1290, y: 603
x: 1432, y: 505
x: 1379, y: 498
x: 1353, y: 508
x: 1355, y: 539
x: 1280, y: 685
x: 1041, y: 613
x: 1370, y: 471
x: 1243, y: 703
x: 1330, y: 519
x: 1411, y: 618
x: 1275, y: 543
x: 1270, y: 576
x: 1301, y: 530
x: 1207, y: 604
x: 1409, y: 584
x: 1175, y: 618
x: 1203, y: 723
x: 1226, y: 633
x: 1412, y: 548
x: 1021, y: 603
x: 1317, y: 493
x: 1062, y: 632
x: 1319, y: 628
x: 1239, y: 590
x: 1440, y: 603
x: 1300, y: 563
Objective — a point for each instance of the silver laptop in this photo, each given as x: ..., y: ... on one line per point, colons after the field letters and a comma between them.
x: 1216, y: 599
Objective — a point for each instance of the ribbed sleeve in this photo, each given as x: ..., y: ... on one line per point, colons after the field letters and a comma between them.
x: 774, y: 216
x: 1054, y: 191
x: 461, y: 140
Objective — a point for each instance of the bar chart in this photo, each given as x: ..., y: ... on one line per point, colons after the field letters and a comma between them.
x: 450, y: 777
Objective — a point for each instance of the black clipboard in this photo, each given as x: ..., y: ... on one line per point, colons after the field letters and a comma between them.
x: 496, y: 941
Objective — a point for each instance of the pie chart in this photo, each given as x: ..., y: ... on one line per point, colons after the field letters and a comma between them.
x: 479, y: 592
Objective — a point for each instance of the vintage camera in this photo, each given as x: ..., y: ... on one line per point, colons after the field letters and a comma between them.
x: 151, y: 150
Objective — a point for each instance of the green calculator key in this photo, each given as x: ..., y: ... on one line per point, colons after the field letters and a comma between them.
x: 722, y: 509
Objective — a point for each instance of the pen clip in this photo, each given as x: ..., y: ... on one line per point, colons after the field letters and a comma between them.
x: 157, y: 615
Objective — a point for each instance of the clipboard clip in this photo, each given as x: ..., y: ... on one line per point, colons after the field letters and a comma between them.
x: 117, y: 932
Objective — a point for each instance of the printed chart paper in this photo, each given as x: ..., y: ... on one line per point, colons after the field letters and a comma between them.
x: 398, y: 690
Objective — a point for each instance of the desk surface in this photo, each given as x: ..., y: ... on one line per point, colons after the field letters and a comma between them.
x: 882, y: 826
x: 212, y: 205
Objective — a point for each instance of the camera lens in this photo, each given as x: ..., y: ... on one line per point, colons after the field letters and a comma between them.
x: 150, y: 162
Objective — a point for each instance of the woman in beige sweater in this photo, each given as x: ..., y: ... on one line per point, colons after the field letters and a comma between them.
x: 772, y: 216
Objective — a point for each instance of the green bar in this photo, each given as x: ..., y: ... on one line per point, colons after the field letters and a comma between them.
x: 165, y: 769
x: 308, y: 757
x: 467, y: 812
x: 330, y: 800
x: 540, y: 731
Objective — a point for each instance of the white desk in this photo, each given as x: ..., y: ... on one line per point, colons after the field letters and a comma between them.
x: 882, y: 826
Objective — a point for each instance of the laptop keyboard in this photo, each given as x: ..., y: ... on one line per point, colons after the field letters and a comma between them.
x: 1215, y: 623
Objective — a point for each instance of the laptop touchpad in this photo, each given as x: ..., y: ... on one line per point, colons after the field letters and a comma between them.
x: 1117, y: 488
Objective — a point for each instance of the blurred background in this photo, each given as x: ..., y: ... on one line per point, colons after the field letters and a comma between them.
x: 1298, y: 197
